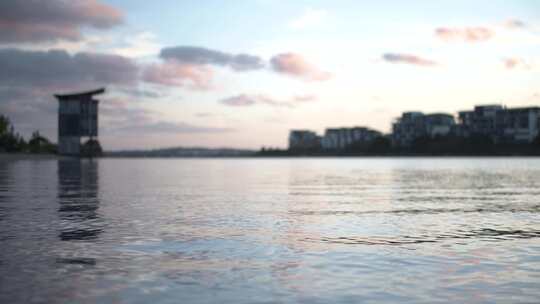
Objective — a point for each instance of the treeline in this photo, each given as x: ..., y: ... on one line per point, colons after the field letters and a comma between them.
x: 12, y: 142
x: 378, y: 146
x: 424, y: 146
x: 474, y: 145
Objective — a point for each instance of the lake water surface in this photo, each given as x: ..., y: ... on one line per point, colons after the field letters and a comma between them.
x: 300, y: 230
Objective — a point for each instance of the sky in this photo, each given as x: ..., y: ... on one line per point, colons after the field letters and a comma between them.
x: 243, y: 73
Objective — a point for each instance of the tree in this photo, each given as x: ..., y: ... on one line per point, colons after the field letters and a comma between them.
x: 92, y: 147
x: 9, y: 140
x: 380, y: 145
x: 40, y: 144
x: 4, y: 125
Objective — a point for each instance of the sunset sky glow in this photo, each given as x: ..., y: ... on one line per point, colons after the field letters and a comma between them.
x: 243, y: 73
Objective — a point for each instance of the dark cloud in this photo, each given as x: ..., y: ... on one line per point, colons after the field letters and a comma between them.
x: 191, y: 67
x: 59, y: 69
x: 408, y: 59
x: 295, y: 65
x: 28, y: 80
x: 52, y: 20
x: 244, y: 100
x: 203, y: 56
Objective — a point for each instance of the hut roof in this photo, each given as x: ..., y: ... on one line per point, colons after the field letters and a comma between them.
x: 80, y: 95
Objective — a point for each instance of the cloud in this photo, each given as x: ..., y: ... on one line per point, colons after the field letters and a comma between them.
x: 53, y: 20
x: 140, y: 93
x: 172, y: 73
x: 240, y: 100
x: 191, y: 67
x: 29, y: 110
x: 168, y: 127
x: 139, y: 45
x: 466, y: 34
x: 516, y: 63
x: 309, y: 18
x: 203, y: 56
x: 120, y: 113
x: 295, y: 65
x: 244, y: 100
x: 122, y: 118
x: 408, y: 59
x: 515, y: 24
x: 304, y: 98
x: 28, y: 80
x: 58, y: 69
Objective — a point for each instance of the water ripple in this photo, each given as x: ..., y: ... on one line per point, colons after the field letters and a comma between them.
x: 379, y: 230
x: 486, y: 234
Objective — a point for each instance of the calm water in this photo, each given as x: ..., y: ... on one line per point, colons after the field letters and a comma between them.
x: 270, y: 230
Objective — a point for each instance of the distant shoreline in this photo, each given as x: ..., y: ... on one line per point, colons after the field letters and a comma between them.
x: 30, y: 156
x: 22, y: 156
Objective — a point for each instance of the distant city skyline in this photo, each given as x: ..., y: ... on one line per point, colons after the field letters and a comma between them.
x: 241, y: 74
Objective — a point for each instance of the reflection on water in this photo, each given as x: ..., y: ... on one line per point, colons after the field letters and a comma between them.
x: 419, y: 230
x: 78, y: 199
x: 4, y: 178
x: 81, y: 261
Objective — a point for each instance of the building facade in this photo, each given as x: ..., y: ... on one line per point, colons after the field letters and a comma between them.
x: 413, y: 125
x: 439, y: 124
x: 342, y: 138
x: 303, y: 140
x: 407, y: 128
x: 77, y: 117
x: 518, y: 125
x: 480, y: 122
x: 500, y: 124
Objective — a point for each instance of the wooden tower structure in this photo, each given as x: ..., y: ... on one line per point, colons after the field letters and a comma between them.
x: 77, y: 117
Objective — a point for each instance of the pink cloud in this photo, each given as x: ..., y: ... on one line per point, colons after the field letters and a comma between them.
x: 52, y: 20
x: 515, y: 63
x: 173, y: 73
x: 21, y: 32
x: 408, y: 59
x: 295, y: 65
x: 467, y: 34
x: 96, y: 14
